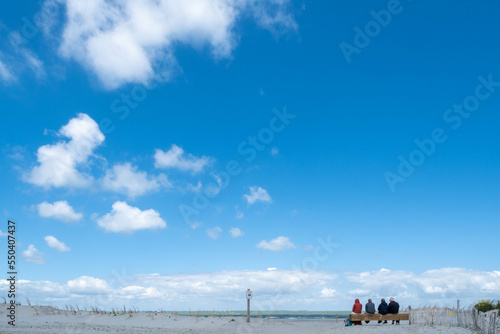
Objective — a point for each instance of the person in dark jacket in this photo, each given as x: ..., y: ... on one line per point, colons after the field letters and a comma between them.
x: 382, y: 309
x: 369, y: 308
x: 393, y: 308
x: 356, y: 308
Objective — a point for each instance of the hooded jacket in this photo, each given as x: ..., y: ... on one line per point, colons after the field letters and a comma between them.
x: 357, y: 307
x: 382, y: 308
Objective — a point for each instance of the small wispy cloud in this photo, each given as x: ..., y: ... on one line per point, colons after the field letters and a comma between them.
x: 127, y: 180
x: 59, y: 210
x: 276, y: 245
x: 213, y: 233
x: 257, y: 194
x: 239, y: 214
x: 52, y: 242
x: 235, y: 232
x: 33, y: 255
x: 177, y: 158
x: 5, y: 73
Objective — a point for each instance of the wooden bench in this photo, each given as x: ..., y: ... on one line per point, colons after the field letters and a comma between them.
x: 378, y: 317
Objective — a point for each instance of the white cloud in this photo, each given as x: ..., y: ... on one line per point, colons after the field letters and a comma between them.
x: 47, y: 16
x: 19, y: 59
x: 175, y: 158
x: 239, y: 214
x: 226, y: 289
x: 125, y: 179
x: 278, y: 244
x: 59, y: 163
x: 5, y: 74
x: 257, y: 194
x: 432, y: 286
x: 3, y: 234
x: 275, y: 151
x: 52, y: 242
x: 86, y: 285
x: 235, y: 232
x: 278, y: 20
x: 133, y: 41
x: 328, y: 293
x: 213, y: 233
x: 33, y: 255
x: 127, y: 219
x: 60, y: 210
x: 273, y: 289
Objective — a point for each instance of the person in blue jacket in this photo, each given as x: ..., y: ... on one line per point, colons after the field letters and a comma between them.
x: 383, y: 309
x: 369, y: 308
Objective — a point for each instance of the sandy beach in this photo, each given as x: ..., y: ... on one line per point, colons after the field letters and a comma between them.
x: 27, y: 321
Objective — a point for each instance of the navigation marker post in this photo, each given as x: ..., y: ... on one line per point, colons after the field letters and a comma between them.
x: 249, y: 296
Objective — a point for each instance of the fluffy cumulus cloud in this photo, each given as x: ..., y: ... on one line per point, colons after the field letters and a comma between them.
x: 60, y: 210
x: 87, y: 286
x: 176, y: 158
x: 273, y: 289
x: 276, y: 245
x: 133, y: 41
x: 60, y: 164
x: 33, y: 255
x: 431, y: 287
x: 126, y: 179
x: 127, y: 219
x: 52, y: 242
x: 257, y: 194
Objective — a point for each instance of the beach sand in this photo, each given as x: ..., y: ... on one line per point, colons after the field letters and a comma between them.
x: 27, y: 321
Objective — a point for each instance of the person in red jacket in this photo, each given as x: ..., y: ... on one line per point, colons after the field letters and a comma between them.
x: 356, y: 308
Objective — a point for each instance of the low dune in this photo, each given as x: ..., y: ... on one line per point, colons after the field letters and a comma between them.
x: 45, y: 319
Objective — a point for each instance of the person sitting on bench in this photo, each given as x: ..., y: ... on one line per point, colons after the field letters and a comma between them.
x: 356, y: 308
x: 382, y: 309
x: 393, y: 308
x: 369, y: 308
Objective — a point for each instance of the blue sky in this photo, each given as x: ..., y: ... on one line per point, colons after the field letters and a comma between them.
x: 361, y: 141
